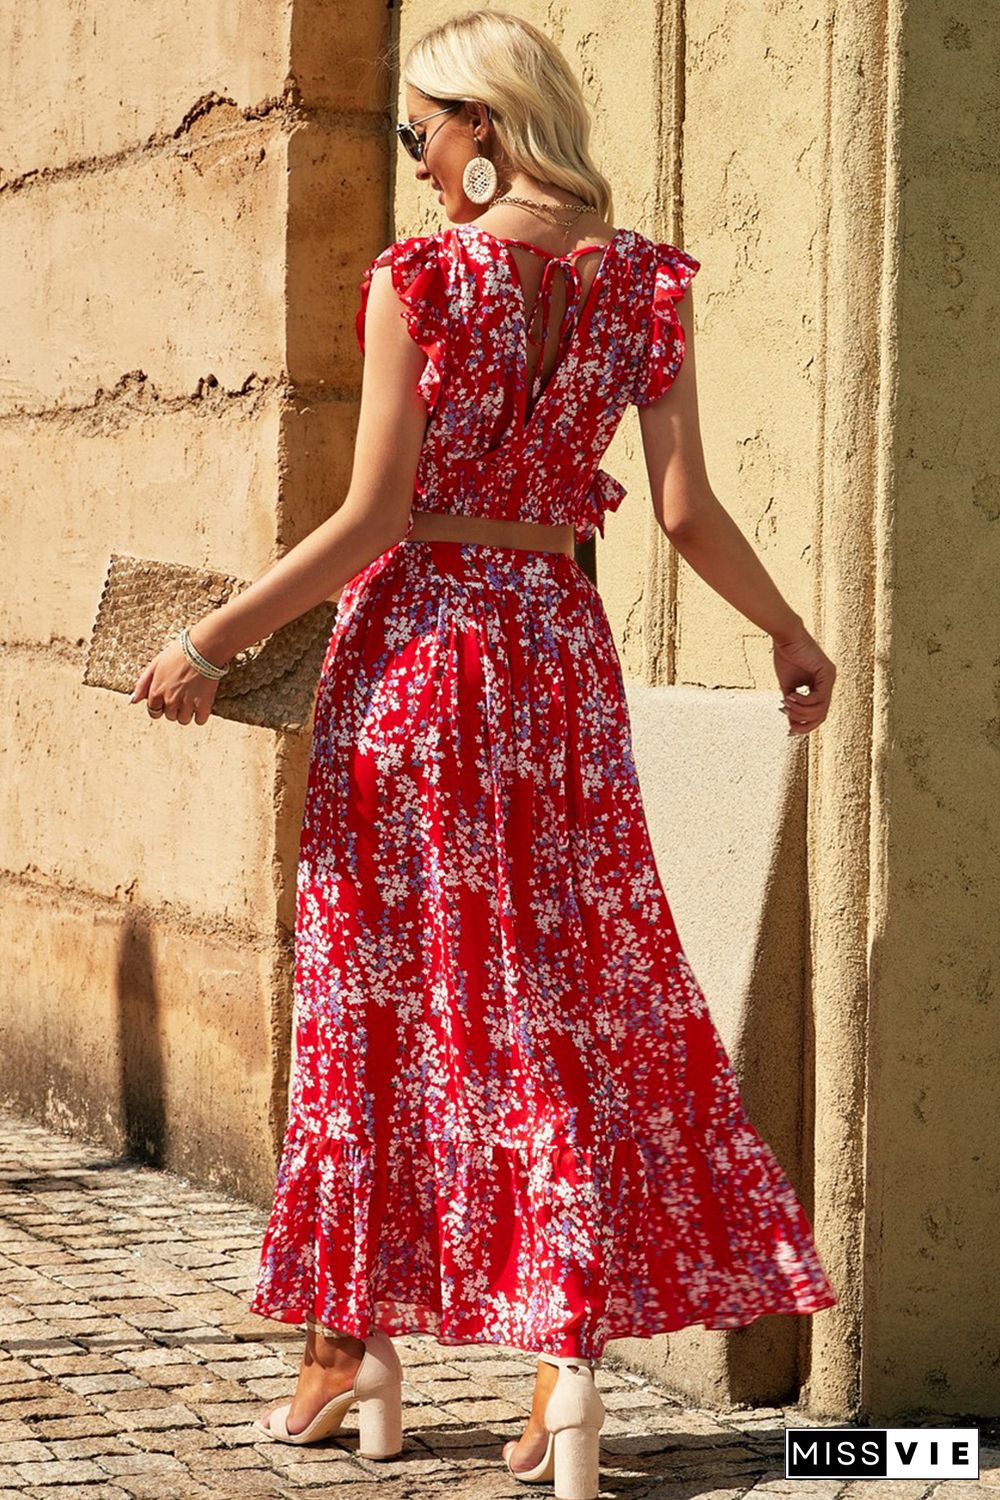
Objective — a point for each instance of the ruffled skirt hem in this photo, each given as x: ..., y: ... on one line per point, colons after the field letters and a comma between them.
x: 554, y: 1248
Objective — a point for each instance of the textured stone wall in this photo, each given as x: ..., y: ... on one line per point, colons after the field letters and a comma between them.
x: 186, y: 199
x: 933, y: 1180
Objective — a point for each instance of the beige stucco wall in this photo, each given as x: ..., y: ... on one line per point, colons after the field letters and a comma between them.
x: 932, y: 1188
x: 187, y: 198
x: 181, y: 237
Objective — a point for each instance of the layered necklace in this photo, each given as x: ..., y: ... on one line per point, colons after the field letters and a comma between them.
x: 547, y: 211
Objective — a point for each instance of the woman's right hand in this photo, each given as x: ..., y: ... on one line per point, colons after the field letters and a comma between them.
x: 800, y: 662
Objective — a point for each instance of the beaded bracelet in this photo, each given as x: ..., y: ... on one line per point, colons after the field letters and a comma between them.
x: 196, y: 659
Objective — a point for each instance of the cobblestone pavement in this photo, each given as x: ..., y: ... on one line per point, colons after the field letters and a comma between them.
x: 130, y: 1366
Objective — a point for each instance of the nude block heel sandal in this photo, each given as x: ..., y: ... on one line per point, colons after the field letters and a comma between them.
x: 574, y: 1416
x: 378, y: 1387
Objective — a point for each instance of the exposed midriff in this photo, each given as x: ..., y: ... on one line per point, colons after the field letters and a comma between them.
x: 431, y: 527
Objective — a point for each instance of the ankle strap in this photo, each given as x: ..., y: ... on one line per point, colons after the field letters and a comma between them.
x: 569, y: 1359
x: 330, y: 1333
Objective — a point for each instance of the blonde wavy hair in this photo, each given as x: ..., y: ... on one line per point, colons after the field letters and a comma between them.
x: 541, y: 119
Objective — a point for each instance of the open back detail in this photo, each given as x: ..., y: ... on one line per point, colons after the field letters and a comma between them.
x: 518, y: 420
x: 511, y: 1117
x: 536, y: 373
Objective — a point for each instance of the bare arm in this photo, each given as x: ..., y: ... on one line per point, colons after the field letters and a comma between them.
x: 687, y: 509
x: 375, y: 511
x: 708, y: 538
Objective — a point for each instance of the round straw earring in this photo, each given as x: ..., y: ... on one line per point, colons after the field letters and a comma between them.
x: 479, y: 180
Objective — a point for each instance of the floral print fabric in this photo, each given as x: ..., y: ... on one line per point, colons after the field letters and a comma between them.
x: 490, y: 450
x: 512, y: 1120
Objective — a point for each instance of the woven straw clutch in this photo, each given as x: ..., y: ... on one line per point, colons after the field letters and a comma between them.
x: 144, y: 604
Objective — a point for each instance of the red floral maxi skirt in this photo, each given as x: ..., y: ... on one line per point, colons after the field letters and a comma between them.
x: 512, y: 1120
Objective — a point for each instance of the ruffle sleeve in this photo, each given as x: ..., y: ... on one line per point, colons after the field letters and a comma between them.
x: 663, y: 354
x: 420, y: 284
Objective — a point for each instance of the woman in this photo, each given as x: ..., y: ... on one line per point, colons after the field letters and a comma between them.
x: 512, y: 1119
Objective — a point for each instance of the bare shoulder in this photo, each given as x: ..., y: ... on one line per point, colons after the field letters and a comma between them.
x: 592, y: 230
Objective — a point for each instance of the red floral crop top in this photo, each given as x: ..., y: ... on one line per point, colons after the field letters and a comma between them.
x: 485, y: 453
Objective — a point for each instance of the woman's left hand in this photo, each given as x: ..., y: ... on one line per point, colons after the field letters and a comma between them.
x: 174, y: 689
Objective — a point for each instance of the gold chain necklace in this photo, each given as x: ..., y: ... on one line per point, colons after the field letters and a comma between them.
x: 541, y: 209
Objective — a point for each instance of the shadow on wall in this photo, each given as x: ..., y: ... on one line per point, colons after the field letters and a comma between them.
x: 143, y: 1114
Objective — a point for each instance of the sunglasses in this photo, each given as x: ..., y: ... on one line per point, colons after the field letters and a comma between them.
x: 414, y: 143
x: 408, y: 137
